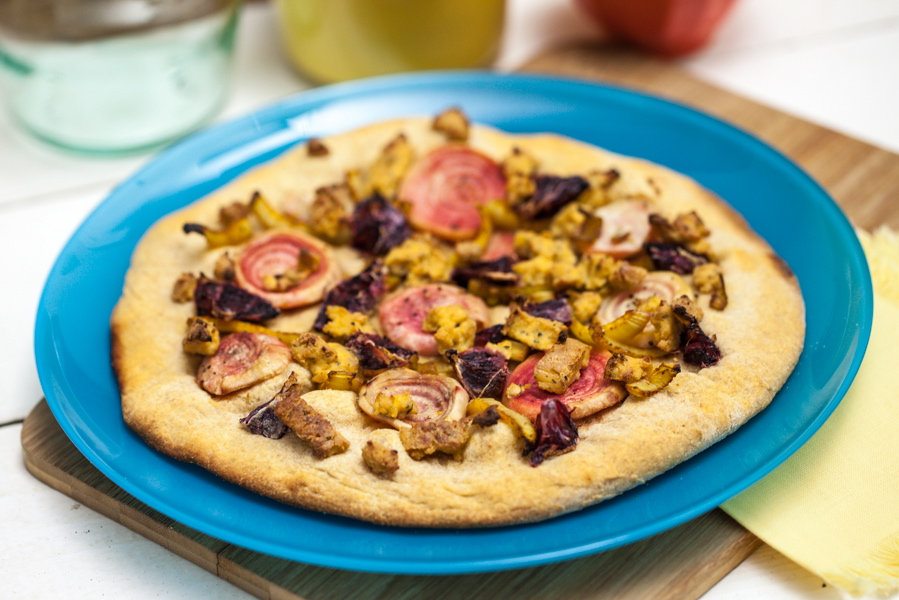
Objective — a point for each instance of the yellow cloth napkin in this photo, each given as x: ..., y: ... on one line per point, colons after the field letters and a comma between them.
x: 833, y: 507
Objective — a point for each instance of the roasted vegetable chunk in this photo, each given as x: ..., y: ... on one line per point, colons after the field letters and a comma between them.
x: 556, y: 432
x: 561, y: 366
x: 358, y: 294
x: 377, y: 226
x: 380, y: 458
x: 536, y: 332
x: 377, y: 353
x: 551, y: 193
x: 482, y: 372
x: 453, y: 123
x: 225, y: 300
x: 202, y: 337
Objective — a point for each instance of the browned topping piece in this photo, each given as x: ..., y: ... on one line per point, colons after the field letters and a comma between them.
x: 453, y: 123
x: 429, y: 437
x: 709, y: 280
x: 307, y: 423
x: 561, y: 366
x: 315, y: 147
x: 224, y: 267
x: 379, y: 458
x: 519, y: 168
x: 488, y: 417
x: 183, y: 290
x: 388, y: 170
x: 233, y: 212
x: 667, y: 328
x: 689, y: 307
x: 536, y: 332
x: 202, y: 337
x: 690, y: 228
x: 627, y: 369
x: 329, y: 214
x: 625, y: 276
x: 307, y: 264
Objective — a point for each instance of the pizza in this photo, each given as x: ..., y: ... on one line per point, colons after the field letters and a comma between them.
x: 429, y: 322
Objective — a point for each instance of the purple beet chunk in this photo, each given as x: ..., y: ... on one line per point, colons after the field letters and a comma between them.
x: 669, y: 257
x: 490, y: 335
x: 228, y: 301
x: 377, y: 226
x: 482, y: 372
x: 498, y: 272
x: 376, y: 353
x: 550, y: 195
x: 356, y: 294
x: 555, y: 310
x: 556, y: 432
x: 263, y: 421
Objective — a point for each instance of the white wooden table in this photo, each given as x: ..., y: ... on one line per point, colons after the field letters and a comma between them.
x: 829, y: 61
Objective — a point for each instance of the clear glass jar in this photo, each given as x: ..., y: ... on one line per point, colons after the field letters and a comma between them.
x: 335, y: 40
x: 115, y: 75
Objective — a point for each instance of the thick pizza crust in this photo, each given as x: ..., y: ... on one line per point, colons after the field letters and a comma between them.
x: 760, y: 335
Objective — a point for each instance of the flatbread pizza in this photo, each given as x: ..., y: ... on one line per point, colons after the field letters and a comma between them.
x: 427, y: 322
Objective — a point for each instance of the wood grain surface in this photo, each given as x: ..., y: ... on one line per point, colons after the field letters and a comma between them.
x: 680, y: 564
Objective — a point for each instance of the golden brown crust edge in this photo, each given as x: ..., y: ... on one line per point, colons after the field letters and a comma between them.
x: 493, y: 486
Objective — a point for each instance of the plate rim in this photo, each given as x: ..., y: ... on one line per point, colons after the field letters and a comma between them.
x: 339, y: 92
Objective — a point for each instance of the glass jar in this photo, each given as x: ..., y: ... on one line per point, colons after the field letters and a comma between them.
x: 115, y: 75
x: 336, y: 40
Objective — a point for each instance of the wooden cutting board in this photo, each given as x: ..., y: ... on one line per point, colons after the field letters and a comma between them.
x: 682, y: 563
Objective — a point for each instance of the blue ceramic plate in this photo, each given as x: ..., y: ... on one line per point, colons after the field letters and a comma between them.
x: 783, y: 204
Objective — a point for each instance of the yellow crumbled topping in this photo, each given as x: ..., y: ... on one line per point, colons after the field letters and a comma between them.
x: 519, y: 168
x: 388, y: 170
x: 598, y: 193
x: 329, y: 213
x: 321, y: 358
x: 452, y: 328
x: 395, y: 406
x: 511, y: 349
x: 184, y: 288
x: 584, y: 305
x: 627, y: 369
x: 343, y: 324
x: 421, y: 259
x: 202, y: 337
x: 536, y: 332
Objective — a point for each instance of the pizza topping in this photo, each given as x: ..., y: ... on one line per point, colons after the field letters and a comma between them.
x: 501, y: 243
x: 322, y: 358
x: 297, y: 266
x: 561, y: 366
x: 670, y: 257
x: 598, y: 193
x: 655, y: 382
x: 628, y: 335
x: 378, y: 354
x: 426, y: 438
x: 482, y: 372
x: 555, y: 310
x: 242, y: 360
x: 453, y: 123
x: 488, y: 335
x: 377, y: 226
x: 536, y: 332
x: 497, y: 272
x: 512, y: 350
x: 590, y: 392
x: 263, y: 421
x: 202, y: 337
x: 329, y: 216
x: 487, y: 417
x: 236, y: 233
x: 358, y: 294
x: 243, y: 327
x: 453, y: 329
x: 380, y: 458
x: 435, y: 397
x: 687, y: 231
x: 627, y: 369
x: 225, y: 268
x: 551, y: 193
x: 709, y: 280
x: 447, y: 187
x: 315, y: 147
x: 394, y: 406
x: 421, y: 259
x: 519, y: 168
x: 307, y: 423
x: 625, y: 227
x: 388, y: 170
x: 227, y: 301
x: 663, y: 284
x: 698, y: 348
x: 268, y: 215
x: 343, y: 324
x: 403, y: 315
x: 556, y: 432
x: 183, y: 290
x: 480, y: 407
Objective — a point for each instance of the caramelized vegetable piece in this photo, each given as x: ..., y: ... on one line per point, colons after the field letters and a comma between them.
x: 556, y: 432
x: 315, y: 147
x: 519, y: 169
x: 388, y: 170
x: 426, y: 438
x: 620, y: 335
x: 184, y: 288
x: 551, y: 193
x: 709, y: 280
x: 268, y: 215
x: 453, y: 329
x: 275, y: 254
x: 446, y: 188
x: 453, y: 123
x: 226, y: 301
x: 242, y: 360
x: 515, y: 420
x: 627, y: 369
x: 669, y: 257
x: 243, y: 327
x: 482, y: 372
x: 698, y: 348
x: 590, y: 393
x: 377, y: 226
x: 556, y: 309
x: 359, y: 294
x: 263, y: 421
x: 329, y: 214
x: 202, y: 337
x: 436, y: 398
x: 308, y: 424
x: 536, y: 332
x: 377, y: 353
x: 324, y: 359
x: 655, y: 382
x: 236, y: 233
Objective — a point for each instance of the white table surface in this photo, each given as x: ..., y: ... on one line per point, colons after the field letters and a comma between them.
x: 833, y: 62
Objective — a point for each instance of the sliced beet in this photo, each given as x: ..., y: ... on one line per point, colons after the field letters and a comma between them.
x: 377, y: 226
x: 482, y: 372
x: 228, y: 301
